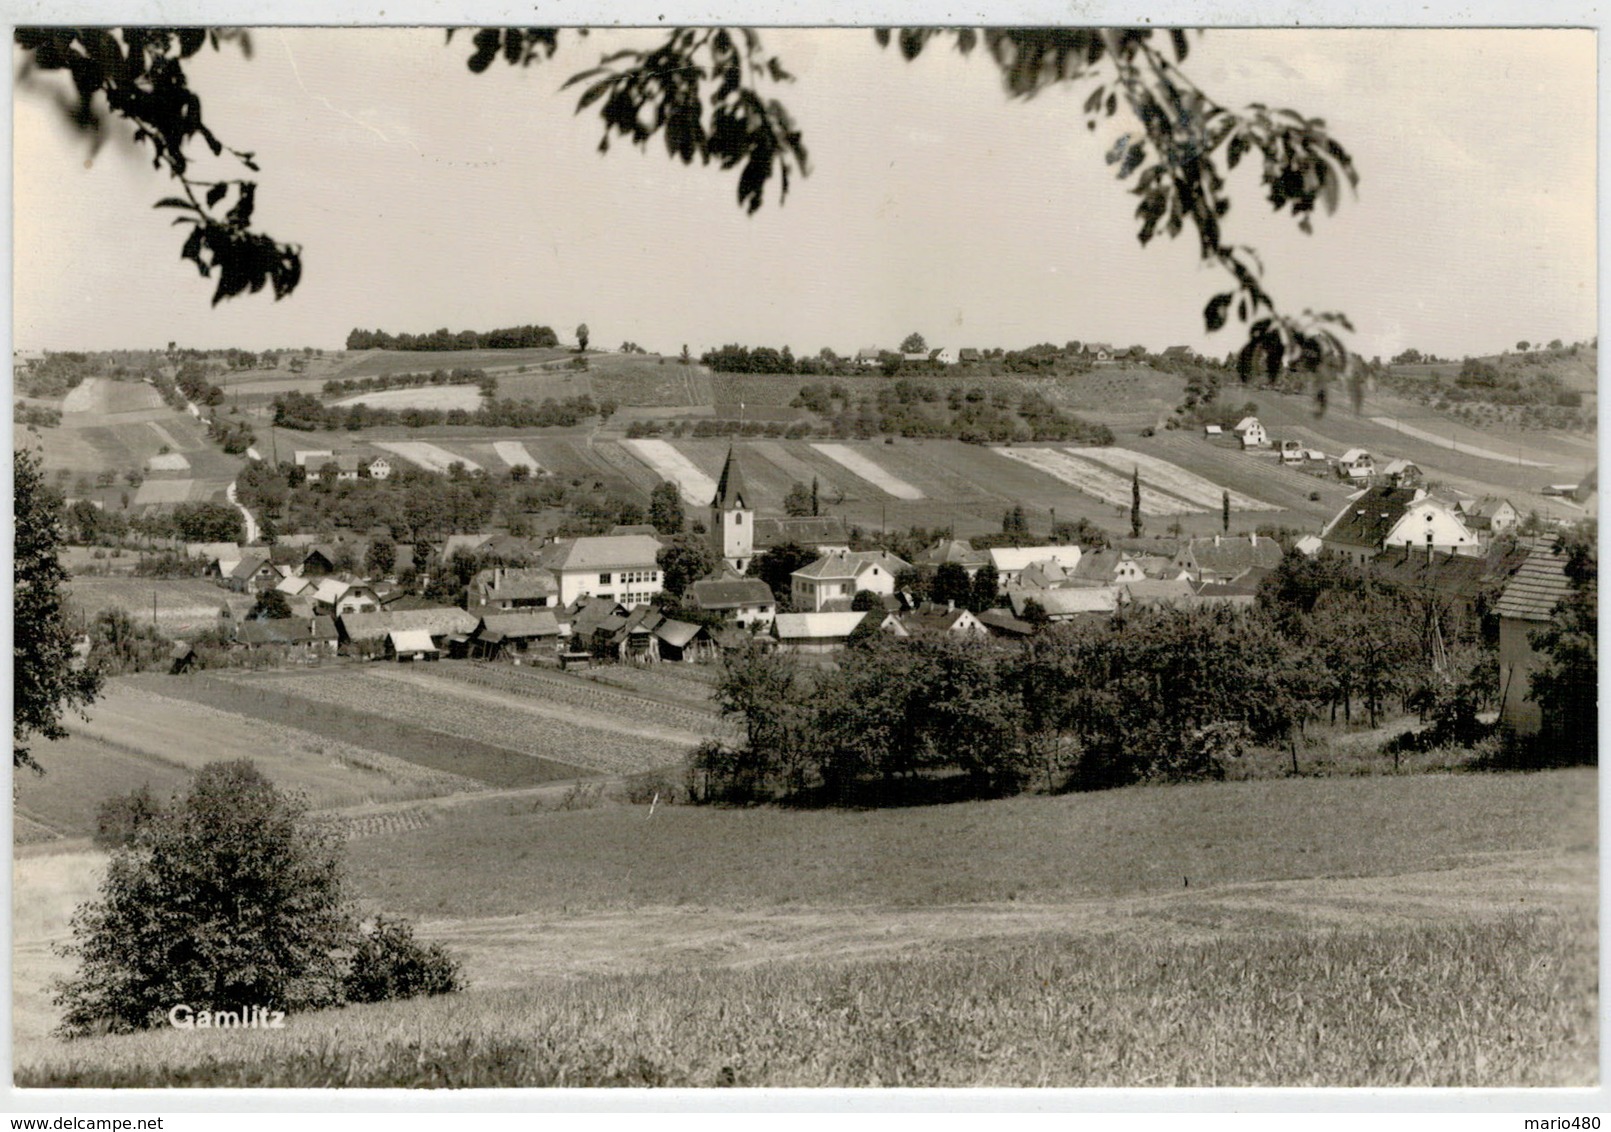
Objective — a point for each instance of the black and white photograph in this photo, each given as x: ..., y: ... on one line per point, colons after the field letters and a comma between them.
x: 696, y: 557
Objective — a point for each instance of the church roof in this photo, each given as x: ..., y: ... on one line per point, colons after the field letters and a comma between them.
x: 731, y: 491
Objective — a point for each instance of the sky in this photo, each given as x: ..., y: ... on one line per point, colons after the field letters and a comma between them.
x: 424, y: 196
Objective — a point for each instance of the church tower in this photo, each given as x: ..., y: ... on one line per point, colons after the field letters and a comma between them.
x: 732, y: 519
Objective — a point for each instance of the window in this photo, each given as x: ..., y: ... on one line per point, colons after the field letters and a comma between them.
x: 604, y: 579
x: 738, y: 518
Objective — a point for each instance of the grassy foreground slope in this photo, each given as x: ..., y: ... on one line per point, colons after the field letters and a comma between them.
x: 1431, y: 930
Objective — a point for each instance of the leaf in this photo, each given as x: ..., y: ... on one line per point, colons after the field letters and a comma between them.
x: 593, y: 93
x: 1234, y: 152
x: 216, y: 193
x: 1214, y: 313
x: 174, y: 202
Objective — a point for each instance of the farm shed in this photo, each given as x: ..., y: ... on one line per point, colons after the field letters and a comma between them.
x: 366, y: 633
x: 817, y: 632
x: 513, y: 635
x: 1001, y: 623
x: 1158, y: 591
x: 1397, y: 516
x: 1527, y: 605
x: 1226, y: 558
x: 411, y: 644
x: 684, y: 641
x: 1068, y: 604
x: 821, y: 533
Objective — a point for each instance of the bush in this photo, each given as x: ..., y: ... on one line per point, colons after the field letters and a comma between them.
x: 122, y: 816
x: 390, y: 963
x: 229, y: 900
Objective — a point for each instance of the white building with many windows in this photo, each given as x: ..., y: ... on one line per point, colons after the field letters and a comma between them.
x: 620, y: 567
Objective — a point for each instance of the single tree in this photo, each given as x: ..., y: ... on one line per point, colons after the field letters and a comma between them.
x: 951, y: 585
x: 1135, y: 503
x: 1035, y: 613
x: 685, y: 358
x: 271, y: 605
x: 581, y: 338
x: 1015, y: 524
x: 1523, y: 345
x: 798, y: 501
x: 46, y: 680
x: 866, y: 601
x: 665, y: 508
x: 816, y: 498
x: 913, y: 344
x: 683, y: 561
x: 986, y: 588
x: 381, y: 558
x: 1225, y: 511
x: 776, y: 566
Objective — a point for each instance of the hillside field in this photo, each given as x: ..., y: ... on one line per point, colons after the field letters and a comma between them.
x: 183, y: 605
x: 1221, y: 934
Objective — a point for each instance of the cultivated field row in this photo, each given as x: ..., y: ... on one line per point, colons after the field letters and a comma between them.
x: 868, y: 470
x: 500, y: 720
x: 428, y: 456
x: 588, y: 696
x: 1169, y: 477
x: 1098, y: 482
x: 697, y: 488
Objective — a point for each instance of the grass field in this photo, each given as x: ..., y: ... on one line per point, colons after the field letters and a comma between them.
x: 275, y: 699
x: 183, y: 605
x: 1030, y: 942
x: 467, y: 397
x: 1119, y: 843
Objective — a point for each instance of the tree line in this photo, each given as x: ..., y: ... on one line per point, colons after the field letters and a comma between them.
x: 307, y: 413
x: 505, y: 338
x: 1158, y: 693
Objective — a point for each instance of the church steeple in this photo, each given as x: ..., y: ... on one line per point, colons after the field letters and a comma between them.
x: 730, y: 489
x: 732, y: 519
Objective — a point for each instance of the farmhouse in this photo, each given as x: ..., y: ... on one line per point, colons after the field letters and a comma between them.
x: 954, y: 550
x: 968, y: 355
x: 1001, y: 623
x: 1402, y: 473
x: 743, y: 601
x: 212, y: 551
x: 297, y: 586
x: 251, y: 573
x: 1397, y: 516
x: 1105, y: 568
x: 1251, y: 433
x: 1010, y: 561
x: 504, y: 587
x: 817, y: 632
x: 310, y: 635
x: 1225, y: 558
x: 334, y: 596
x: 843, y: 574
x: 1490, y: 516
x: 623, y: 568
x: 1455, y: 589
x: 1526, y: 605
x: 938, y: 619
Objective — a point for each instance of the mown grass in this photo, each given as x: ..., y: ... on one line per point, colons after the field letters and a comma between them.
x: 1120, y: 842
x: 1509, y: 1002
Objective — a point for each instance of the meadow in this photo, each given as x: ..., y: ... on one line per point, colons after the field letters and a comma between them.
x: 183, y: 605
x: 1434, y: 931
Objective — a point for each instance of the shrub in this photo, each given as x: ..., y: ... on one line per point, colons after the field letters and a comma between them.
x: 390, y: 963
x: 228, y: 900
x: 122, y: 816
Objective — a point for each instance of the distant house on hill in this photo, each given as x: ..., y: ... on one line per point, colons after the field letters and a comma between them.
x: 1356, y: 464
x: 1251, y: 433
x: 1403, y: 473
